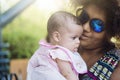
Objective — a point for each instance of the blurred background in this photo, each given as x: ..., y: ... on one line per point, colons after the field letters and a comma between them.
x: 24, y: 32
x: 22, y: 25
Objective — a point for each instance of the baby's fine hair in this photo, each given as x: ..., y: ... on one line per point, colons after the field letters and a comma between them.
x: 58, y: 20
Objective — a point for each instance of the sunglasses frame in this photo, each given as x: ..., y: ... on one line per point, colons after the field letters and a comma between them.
x: 81, y: 11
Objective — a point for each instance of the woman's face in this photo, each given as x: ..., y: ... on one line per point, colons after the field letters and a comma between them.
x: 91, y: 39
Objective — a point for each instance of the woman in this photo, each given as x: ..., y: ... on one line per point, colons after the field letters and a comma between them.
x: 101, y: 22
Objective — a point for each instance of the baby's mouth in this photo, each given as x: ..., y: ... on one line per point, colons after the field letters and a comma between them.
x: 75, y: 49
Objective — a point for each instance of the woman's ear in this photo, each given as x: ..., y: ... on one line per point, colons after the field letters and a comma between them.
x: 56, y: 36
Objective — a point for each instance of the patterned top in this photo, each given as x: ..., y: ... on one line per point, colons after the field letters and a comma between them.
x: 104, y: 67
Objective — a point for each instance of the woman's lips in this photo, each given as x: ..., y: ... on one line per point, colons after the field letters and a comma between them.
x: 84, y: 37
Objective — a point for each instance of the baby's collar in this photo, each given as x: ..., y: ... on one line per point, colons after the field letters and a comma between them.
x: 46, y: 44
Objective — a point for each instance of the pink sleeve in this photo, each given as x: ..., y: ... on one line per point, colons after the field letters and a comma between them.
x: 34, y: 60
x: 32, y: 63
x: 60, y: 54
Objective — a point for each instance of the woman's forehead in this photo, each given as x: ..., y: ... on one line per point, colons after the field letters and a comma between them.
x: 95, y: 12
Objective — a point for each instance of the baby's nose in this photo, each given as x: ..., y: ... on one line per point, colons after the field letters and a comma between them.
x: 78, y: 41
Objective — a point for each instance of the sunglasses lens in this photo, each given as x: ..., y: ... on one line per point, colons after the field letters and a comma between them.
x: 97, y: 25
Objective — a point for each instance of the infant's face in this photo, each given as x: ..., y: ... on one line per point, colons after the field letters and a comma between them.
x: 70, y: 36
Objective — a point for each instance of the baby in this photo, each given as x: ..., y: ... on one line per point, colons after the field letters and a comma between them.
x: 57, y: 58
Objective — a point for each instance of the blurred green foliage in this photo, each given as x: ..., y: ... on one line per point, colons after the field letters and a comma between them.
x: 24, y: 32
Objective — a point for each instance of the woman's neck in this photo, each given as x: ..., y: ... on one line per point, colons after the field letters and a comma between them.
x: 90, y: 52
x: 91, y: 56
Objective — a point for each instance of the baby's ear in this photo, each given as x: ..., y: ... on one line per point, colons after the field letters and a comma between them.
x: 56, y: 36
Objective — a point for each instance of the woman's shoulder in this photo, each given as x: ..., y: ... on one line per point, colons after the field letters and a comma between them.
x: 117, y: 53
x: 116, y: 73
x: 114, y: 53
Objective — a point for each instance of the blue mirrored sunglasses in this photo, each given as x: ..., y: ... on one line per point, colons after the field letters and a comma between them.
x: 96, y: 25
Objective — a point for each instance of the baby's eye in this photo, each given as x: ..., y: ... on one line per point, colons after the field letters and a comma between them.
x: 74, y: 38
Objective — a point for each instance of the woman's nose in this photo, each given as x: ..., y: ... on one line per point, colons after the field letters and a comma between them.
x: 86, y: 27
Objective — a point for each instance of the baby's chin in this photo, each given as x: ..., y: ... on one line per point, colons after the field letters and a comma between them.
x: 75, y: 50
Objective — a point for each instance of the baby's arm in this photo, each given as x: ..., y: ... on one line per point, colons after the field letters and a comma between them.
x: 66, y: 69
